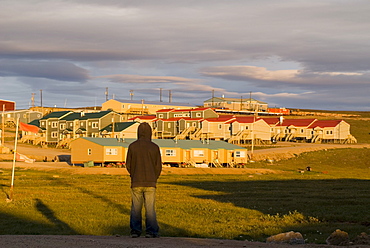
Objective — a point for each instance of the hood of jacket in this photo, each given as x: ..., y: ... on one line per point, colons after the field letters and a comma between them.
x: 144, y: 131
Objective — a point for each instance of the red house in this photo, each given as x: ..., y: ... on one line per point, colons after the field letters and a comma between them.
x: 7, y: 105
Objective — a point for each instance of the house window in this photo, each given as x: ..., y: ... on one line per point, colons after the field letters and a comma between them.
x: 329, y: 132
x: 94, y: 135
x: 95, y: 125
x: 123, y: 105
x: 170, y: 153
x: 160, y: 116
x: 219, y: 126
x: 240, y: 154
x: 54, y: 124
x: 54, y: 134
x: 198, y: 115
x: 198, y: 153
x: 111, y: 151
x: 62, y: 126
x: 89, y: 151
x: 169, y: 125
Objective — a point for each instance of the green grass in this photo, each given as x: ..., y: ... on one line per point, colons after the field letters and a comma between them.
x: 360, y: 129
x: 334, y: 195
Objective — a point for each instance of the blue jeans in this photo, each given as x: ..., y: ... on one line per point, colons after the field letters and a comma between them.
x: 143, y: 196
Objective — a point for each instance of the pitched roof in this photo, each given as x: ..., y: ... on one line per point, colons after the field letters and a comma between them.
x: 221, y: 119
x: 246, y: 119
x: 298, y: 122
x: 118, y: 126
x: 57, y: 114
x: 71, y: 116
x: 96, y: 115
x: 325, y: 123
x: 271, y: 121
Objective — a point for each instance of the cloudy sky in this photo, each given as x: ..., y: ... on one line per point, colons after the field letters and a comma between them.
x: 312, y: 54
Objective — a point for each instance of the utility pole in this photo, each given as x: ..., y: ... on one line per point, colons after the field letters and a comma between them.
x: 169, y: 96
x: 213, y: 96
x: 106, y: 94
x: 41, y: 98
x: 160, y: 94
x: 33, y: 100
x: 131, y: 94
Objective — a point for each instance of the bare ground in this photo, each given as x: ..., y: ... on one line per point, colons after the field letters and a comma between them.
x: 78, y: 241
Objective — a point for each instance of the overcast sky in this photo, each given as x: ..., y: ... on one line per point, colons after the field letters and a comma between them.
x: 312, y: 54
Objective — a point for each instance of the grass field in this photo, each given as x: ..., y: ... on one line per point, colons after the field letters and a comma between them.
x: 335, y: 194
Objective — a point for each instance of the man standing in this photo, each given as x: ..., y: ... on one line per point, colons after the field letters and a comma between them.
x: 144, y: 165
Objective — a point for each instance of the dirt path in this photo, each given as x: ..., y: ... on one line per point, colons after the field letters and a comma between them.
x: 85, y: 241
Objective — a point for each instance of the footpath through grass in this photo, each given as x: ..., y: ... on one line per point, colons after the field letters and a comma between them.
x: 335, y: 194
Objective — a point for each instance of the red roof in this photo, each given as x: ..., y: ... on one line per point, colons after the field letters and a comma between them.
x: 271, y: 121
x: 297, y: 122
x: 325, y: 123
x: 248, y: 119
x: 199, y: 109
x: 221, y: 119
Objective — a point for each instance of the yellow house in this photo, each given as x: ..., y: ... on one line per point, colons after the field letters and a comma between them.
x: 217, y: 128
x: 331, y: 131
x: 174, y: 152
x: 246, y: 129
x: 99, y: 150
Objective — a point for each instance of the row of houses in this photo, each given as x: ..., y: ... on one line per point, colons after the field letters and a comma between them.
x: 188, y: 124
x: 181, y: 153
x: 205, y: 123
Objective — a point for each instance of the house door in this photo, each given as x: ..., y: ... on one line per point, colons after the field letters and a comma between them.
x: 188, y: 156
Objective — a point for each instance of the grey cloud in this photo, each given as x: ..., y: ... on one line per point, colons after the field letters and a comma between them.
x: 124, y: 78
x: 61, y: 71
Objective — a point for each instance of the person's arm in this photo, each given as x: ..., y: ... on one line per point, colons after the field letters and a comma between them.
x: 128, y: 161
x: 158, y: 164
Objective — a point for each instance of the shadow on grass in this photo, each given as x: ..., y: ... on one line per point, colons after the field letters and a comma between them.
x: 13, y: 225
x: 49, y: 214
x: 341, y: 200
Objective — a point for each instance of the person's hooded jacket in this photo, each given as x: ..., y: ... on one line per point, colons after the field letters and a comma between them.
x: 143, y: 160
